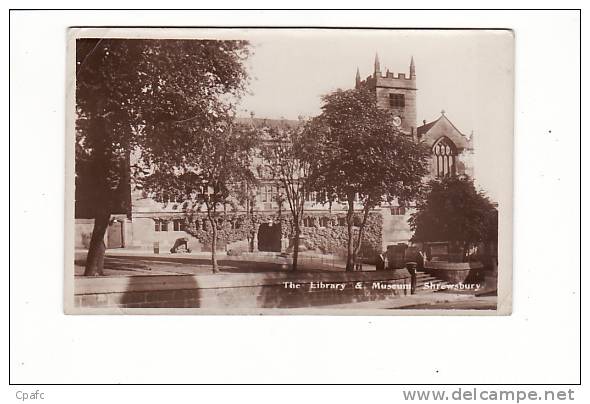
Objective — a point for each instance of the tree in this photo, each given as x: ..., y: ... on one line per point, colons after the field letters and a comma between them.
x: 131, y: 94
x: 212, y: 172
x: 286, y: 155
x: 361, y: 156
x: 455, y: 211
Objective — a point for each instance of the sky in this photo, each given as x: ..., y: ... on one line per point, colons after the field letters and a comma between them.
x: 468, y: 74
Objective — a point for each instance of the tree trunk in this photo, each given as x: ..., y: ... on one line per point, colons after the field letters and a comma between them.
x: 213, y: 244
x: 350, y: 244
x: 100, y: 168
x: 359, y: 240
x: 97, y: 248
x: 296, y: 245
x: 253, y: 230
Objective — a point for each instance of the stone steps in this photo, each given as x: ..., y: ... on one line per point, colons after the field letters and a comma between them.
x: 422, y: 278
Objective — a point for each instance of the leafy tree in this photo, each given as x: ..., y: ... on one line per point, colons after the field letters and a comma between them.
x: 361, y: 156
x: 286, y: 154
x: 455, y: 211
x: 211, y: 173
x: 130, y: 96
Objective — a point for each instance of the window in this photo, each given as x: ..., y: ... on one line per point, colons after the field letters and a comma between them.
x: 308, y: 222
x: 179, y: 225
x: 268, y: 193
x: 444, y: 157
x: 398, y: 210
x: 274, y: 194
x: 397, y: 100
x: 157, y: 225
x: 236, y: 223
x: 324, y: 222
x: 202, y: 192
x: 341, y: 221
x: 164, y: 226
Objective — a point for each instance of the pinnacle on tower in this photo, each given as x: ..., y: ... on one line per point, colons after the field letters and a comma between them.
x: 377, y: 65
x: 412, y: 68
x: 358, y: 78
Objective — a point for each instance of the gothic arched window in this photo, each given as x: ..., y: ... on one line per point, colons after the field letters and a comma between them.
x: 444, y: 155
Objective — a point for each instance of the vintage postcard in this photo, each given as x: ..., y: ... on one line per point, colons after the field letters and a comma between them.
x: 289, y: 171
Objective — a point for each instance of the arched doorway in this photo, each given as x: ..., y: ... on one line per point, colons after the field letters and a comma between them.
x: 269, y: 237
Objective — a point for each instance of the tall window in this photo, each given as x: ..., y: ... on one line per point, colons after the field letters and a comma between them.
x: 397, y: 100
x: 398, y: 210
x: 268, y: 193
x: 179, y: 225
x: 160, y: 225
x: 308, y: 222
x: 444, y: 157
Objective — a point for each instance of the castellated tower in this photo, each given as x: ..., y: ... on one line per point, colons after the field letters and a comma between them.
x: 396, y: 93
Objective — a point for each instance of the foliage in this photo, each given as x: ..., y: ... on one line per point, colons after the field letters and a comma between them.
x: 454, y: 210
x: 135, y: 93
x: 361, y: 151
x: 286, y: 156
x: 213, y: 166
x: 142, y: 95
x: 332, y: 239
x: 360, y: 155
x: 325, y: 235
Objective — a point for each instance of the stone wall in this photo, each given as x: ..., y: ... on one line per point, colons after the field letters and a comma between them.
x: 396, y: 228
x: 329, y: 236
x: 83, y: 232
x: 144, y: 236
x: 238, y: 291
x: 454, y: 272
x: 323, y: 232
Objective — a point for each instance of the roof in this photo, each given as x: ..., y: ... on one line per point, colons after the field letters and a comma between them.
x: 270, y: 123
x: 442, y: 127
x: 426, y: 127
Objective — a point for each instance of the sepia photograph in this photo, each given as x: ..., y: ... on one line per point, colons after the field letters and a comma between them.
x: 289, y: 171
x: 342, y: 204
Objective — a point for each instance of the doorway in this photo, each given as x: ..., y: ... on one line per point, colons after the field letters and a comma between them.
x: 115, y: 235
x: 269, y: 237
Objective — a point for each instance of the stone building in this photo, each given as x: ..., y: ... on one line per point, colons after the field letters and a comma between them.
x: 324, y: 227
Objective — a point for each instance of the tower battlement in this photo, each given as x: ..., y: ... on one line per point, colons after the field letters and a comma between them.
x: 390, y: 80
x: 394, y: 92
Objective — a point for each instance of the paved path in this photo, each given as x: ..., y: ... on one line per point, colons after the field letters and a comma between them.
x: 431, y: 301
x: 121, y: 262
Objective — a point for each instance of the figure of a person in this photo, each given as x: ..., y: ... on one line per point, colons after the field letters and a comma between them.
x: 380, y: 264
x: 411, y: 266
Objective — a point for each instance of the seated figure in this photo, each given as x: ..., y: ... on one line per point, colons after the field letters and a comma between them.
x: 180, y: 245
